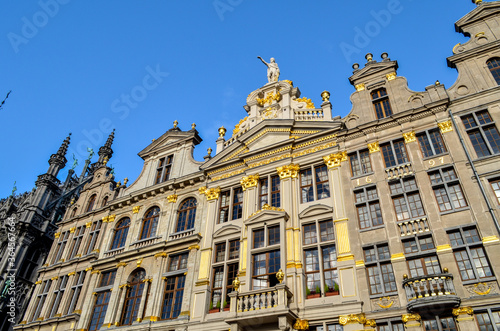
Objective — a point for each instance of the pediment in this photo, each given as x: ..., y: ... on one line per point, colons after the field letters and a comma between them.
x: 169, y: 138
x: 266, y: 215
x: 227, y: 230
x: 373, y: 69
x: 316, y: 210
x: 479, y: 13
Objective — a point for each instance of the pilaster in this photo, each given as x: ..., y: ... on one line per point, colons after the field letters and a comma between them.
x: 249, y: 185
x: 413, y: 322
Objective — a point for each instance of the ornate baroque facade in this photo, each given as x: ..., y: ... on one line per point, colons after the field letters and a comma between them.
x: 386, y: 219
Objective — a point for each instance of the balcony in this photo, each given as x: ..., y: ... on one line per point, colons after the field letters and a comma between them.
x: 399, y: 171
x: 412, y: 227
x: 431, y: 292
x: 309, y: 115
x: 268, y: 305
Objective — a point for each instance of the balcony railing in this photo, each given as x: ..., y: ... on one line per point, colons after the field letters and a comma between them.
x: 431, y: 290
x: 412, y: 227
x: 276, y: 297
x: 182, y: 234
x: 114, y: 252
x: 399, y: 171
x: 309, y: 115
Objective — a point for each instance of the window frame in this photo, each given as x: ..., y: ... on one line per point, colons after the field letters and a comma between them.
x: 363, y: 169
x: 383, y: 103
x: 230, y: 206
x: 266, y: 249
x: 41, y: 298
x: 405, y: 193
x: 394, y: 154
x: 95, y: 229
x: 76, y: 290
x: 103, y: 292
x: 120, y: 233
x: 377, y: 263
x: 178, y: 274
x: 314, y: 182
x: 164, y: 169
x: 496, y: 192
x: 367, y: 203
x: 190, y: 212
x: 91, y: 203
x: 150, y: 219
x: 227, y: 264
x: 58, y: 294
x: 428, y: 139
x: 480, y: 128
x: 494, y: 68
x: 446, y: 184
x: 135, y: 288
x: 77, y: 241
x: 439, y: 321
x: 490, y: 311
x: 61, y: 246
x: 270, y: 195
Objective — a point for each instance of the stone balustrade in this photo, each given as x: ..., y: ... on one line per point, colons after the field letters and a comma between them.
x: 412, y: 227
x: 399, y: 171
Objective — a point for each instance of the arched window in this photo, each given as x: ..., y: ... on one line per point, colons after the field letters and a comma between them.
x: 150, y: 223
x: 494, y: 66
x: 381, y: 103
x: 121, y: 232
x: 133, y: 297
x: 91, y: 203
x: 104, y: 201
x: 186, y: 215
x: 73, y: 213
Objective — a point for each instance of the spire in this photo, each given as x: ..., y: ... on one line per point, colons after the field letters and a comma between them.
x: 64, y: 147
x: 58, y: 160
x: 106, y: 151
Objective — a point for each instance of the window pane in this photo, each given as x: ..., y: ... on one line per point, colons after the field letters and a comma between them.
x: 326, y: 230
x: 310, y: 234
x: 322, y: 186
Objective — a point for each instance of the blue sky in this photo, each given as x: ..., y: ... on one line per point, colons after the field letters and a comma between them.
x: 88, y: 66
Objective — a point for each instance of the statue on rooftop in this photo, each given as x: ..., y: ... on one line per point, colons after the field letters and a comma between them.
x: 273, y: 71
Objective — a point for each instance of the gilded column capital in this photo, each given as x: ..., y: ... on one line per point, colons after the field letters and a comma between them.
x: 72, y: 230
x: 57, y: 235
x: 374, y: 147
x: 411, y: 318
x: 136, y: 209
x: 288, y: 171
x: 121, y: 264
x: 249, y: 181
x: 371, y: 323
x: 111, y: 218
x: 88, y: 224
x: 210, y: 193
x: 446, y: 126
x: 409, y: 137
x: 360, y: 87
x: 391, y: 76
x: 352, y: 319
x: 463, y: 311
x: 172, y: 198
x: 333, y: 160
x: 301, y: 324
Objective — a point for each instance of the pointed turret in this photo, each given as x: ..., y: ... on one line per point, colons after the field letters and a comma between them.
x: 105, y: 152
x: 58, y: 160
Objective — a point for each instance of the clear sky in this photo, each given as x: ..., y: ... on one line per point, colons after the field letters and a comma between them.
x: 89, y: 66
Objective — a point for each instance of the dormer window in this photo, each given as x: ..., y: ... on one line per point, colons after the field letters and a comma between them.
x: 494, y: 66
x: 381, y: 103
x: 91, y: 203
x: 163, y: 170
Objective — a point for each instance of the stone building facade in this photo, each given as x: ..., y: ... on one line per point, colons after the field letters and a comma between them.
x: 386, y: 219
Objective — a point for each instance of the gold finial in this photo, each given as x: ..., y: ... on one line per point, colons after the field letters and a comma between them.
x: 222, y: 131
x: 106, y: 159
x: 445, y: 270
x: 405, y: 276
x: 175, y: 124
x: 477, y: 2
x: 437, y: 83
x: 236, y: 283
x: 72, y: 200
x: 325, y: 95
x: 280, y: 275
x: 125, y: 181
x: 118, y: 184
x: 209, y: 151
x: 193, y: 126
x: 369, y: 57
x: 153, y: 140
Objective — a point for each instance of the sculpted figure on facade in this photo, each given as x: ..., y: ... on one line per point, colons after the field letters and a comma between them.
x: 273, y: 71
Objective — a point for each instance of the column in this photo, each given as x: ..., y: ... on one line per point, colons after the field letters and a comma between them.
x: 121, y: 301
x: 465, y: 318
x: 145, y: 293
x: 249, y: 184
x: 153, y: 310
x: 354, y: 322
x: 412, y: 322
x: 115, y: 296
x: 186, y: 300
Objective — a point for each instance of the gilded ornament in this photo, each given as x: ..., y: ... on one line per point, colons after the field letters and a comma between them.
x: 325, y: 95
x: 88, y: 269
x: 490, y: 239
x: 125, y: 181
x: 266, y: 207
x: 236, y: 283
x: 333, y: 160
x: 371, y: 323
x: 270, y: 113
x: 409, y: 137
x: 175, y: 124
x: 72, y: 200
x: 270, y: 97
x: 410, y: 317
x: 38, y: 282
x: 391, y: 76
x: 93, y: 272
x: 301, y: 324
x: 194, y: 247
x: 288, y: 81
x: 477, y: 2
x: 57, y: 235
x: 104, y: 219
x: 249, y: 181
x: 352, y: 319
x: 237, y: 126
x: 280, y: 275
x: 162, y: 254
x: 118, y: 184
x: 121, y: 264
x: 193, y: 126
x: 139, y: 262
x: 482, y: 288
x: 210, y: 193
x: 111, y: 218
x: 462, y: 311
x: 105, y: 161
x: 209, y: 151
x: 72, y: 273
x: 172, y: 198
x: 385, y: 302
x: 309, y: 103
x: 369, y: 57
x: 360, y: 87
x: 445, y: 126
x: 374, y: 147
x: 136, y: 209
x: 72, y: 230
x: 288, y: 171
x: 222, y: 131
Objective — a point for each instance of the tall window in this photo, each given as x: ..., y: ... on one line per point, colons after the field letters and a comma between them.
x: 90, y: 204
x: 225, y: 268
x: 381, y: 103
x: 482, y: 133
x: 406, y: 199
x: 495, y: 185
x: 163, y: 169
x: 73, y: 212
x: 266, y: 260
x: 231, y: 203
x: 186, y: 215
x: 174, y: 286
x: 314, y: 187
x: 360, y: 163
x: 102, y: 300
x: 150, y: 223
x: 61, y: 245
x: 320, y: 258
x: 40, y: 299
x: 394, y: 153
x: 95, y: 229
x: 431, y: 143
x: 133, y: 297
x: 447, y: 191
x: 494, y: 66
x: 30, y: 263
x: 269, y: 194
x: 368, y: 207
x: 425, y: 261
x: 469, y: 254
x: 58, y: 294
x: 488, y: 320
x: 76, y: 290
x: 121, y: 232
x: 379, y: 269
x: 104, y: 201
x: 77, y: 241
x: 440, y: 324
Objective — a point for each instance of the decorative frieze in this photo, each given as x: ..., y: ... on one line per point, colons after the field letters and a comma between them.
x: 288, y: 171
x: 482, y: 288
x: 445, y: 126
x: 249, y: 181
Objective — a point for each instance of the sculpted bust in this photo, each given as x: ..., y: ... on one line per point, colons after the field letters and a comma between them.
x: 273, y: 71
